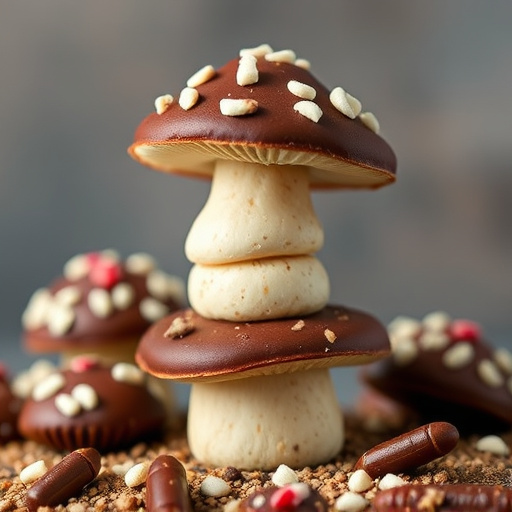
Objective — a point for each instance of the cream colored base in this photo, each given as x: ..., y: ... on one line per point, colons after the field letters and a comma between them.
x: 262, y: 422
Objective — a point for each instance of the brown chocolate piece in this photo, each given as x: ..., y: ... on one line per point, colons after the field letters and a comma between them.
x: 86, y: 328
x: 409, y: 450
x: 342, y: 152
x: 65, y: 480
x: 290, y: 498
x: 124, y: 411
x: 460, y: 380
x: 444, y: 498
x: 217, y: 350
x: 9, y: 409
x: 167, y: 488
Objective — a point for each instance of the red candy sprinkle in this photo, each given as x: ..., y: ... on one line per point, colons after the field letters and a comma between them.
x: 82, y: 364
x: 289, y: 496
x: 465, y: 330
x: 105, y: 273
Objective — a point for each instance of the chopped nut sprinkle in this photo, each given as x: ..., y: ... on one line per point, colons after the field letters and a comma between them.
x: 100, y: 302
x: 123, y: 296
x: 215, y: 486
x: 60, y: 319
x: 137, y: 474
x: 309, y: 109
x: 299, y: 325
x: 493, y: 444
x: 152, y: 309
x: 330, y: 336
x: 202, y: 76
x: 281, y: 56
x: 258, y: 51
x: 461, y: 354
x: 162, y: 103
x: 67, y: 405
x: 247, y: 72
x: 188, y: 98
x: 140, y: 263
x: 180, y: 326
x: 238, y: 107
x: 301, y: 90
x: 129, y: 373
x: 33, y: 471
x: 86, y: 396
x: 303, y: 63
x: 490, y: 373
x: 345, y: 103
x: 48, y: 387
x: 370, y: 121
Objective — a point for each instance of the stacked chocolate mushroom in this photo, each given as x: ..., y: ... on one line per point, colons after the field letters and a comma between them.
x: 260, y: 336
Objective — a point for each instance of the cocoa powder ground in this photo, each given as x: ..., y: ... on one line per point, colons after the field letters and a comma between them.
x: 109, y: 492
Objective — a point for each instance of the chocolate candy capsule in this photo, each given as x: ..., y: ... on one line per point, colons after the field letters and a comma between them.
x: 167, y: 487
x: 409, y: 450
x: 444, y: 498
x: 65, y: 480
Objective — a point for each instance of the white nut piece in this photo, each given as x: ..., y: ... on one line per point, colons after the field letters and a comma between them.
x: 303, y: 63
x: 360, y: 481
x: 100, y: 302
x: 258, y: 51
x: 123, y: 296
x: 284, y: 475
x: 188, y: 98
x: 458, y: 356
x: 158, y: 284
x: 33, y: 471
x: 60, y: 319
x: 404, y: 326
x: 301, y: 90
x: 308, y: 109
x: 238, y: 107
x: 67, y: 405
x: 36, y: 312
x: 503, y: 358
x: 152, y: 309
x: 86, y: 396
x: 389, y: 481
x: 437, y: 321
x: 247, y: 72
x: 490, y: 373
x: 68, y: 296
x: 76, y: 267
x: 163, y: 102
x: 345, y: 102
x: 202, y: 76
x: 137, y: 474
x: 493, y: 444
x: 281, y: 56
x: 434, y: 340
x: 48, y: 387
x: 370, y: 121
x: 404, y: 350
x: 350, y: 502
x: 140, y: 263
x: 129, y: 373
x: 215, y: 487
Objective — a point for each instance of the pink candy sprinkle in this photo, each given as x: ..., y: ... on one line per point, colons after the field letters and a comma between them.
x: 104, y: 272
x: 82, y: 364
x: 465, y: 330
x: 289, y: 496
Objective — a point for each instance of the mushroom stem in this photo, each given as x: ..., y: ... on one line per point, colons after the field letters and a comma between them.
x: 262, y: 422
x: 252, y: 245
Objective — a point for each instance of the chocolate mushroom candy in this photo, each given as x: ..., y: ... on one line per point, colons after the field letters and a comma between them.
x: 92, y: 404
x: 9, y: 408
x: 266, y: 131
x: 261, y: 392
x: 446, y: 370
x: 100, y: 305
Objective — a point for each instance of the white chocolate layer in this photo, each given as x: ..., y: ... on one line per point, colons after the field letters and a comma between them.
x: 255, y: 211
x: 262, y: 422
x: 259, y: 289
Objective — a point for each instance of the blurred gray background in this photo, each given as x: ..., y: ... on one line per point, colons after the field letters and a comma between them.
x: 77, y: 77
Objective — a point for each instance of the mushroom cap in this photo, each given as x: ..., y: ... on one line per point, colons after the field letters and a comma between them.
x: 92, y: 306
x: 125, y: 412
x: 187, y: 347
x: 337, y: 150
x: 9, y: 409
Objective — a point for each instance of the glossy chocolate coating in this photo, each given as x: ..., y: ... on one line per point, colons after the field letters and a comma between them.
x: 125, y: 413
x: 441, y: 393
x: 9, y: 410
x: 65, y: 480
x: 88, y: 330
x: 274, y: 125
x: 219, y: 350
x: 409, y: 450
x: 260, y: 501
x: 167, y: 487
